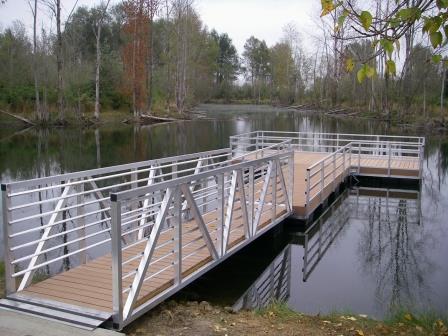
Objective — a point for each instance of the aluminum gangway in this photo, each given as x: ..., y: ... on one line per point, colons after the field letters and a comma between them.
x: 106, y: 245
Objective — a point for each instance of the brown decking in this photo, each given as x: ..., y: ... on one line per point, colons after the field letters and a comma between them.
x: 369, y: 165
x: 90, y: 285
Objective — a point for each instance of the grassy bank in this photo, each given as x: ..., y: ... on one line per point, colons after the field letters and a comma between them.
x: 203, y: 319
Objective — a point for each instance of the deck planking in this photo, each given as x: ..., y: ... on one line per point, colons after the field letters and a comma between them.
x: 90, y: 285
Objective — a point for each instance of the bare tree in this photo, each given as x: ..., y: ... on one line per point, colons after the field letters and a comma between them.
x: 54, y: 7
x: 97, y: 32
x: 153, y: 6
x: 182, y: 10
x: 35, y: 72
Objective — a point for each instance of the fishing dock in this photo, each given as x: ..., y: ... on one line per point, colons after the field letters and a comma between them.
x: 104, y: 246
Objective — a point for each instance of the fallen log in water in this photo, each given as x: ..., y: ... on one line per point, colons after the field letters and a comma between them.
x: 22, y: 119
x: 150, y: 119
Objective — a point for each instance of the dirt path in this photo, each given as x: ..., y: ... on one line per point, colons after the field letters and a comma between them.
x: 202, y: 319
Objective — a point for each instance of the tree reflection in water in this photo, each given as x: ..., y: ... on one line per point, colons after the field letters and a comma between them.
x: 393, y: 249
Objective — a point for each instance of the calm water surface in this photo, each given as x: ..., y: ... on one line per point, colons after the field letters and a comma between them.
x: 382, y: 252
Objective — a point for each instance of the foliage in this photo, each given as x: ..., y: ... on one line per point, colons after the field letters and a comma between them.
x: 404, y: 16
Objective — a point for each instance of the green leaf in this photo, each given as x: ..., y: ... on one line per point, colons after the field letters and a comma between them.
x: 391, y: 68
x: 409, y: 14
x: 341, y: 19
x: 361, y: 75
x: 432, y: 24
x: 436, y: 58
x: 388, y: 46
x: 436, y: 39
x: 366, y: 19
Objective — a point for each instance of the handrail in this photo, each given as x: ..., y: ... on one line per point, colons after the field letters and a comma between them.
x: 232, y: 205
x: 421, y: 139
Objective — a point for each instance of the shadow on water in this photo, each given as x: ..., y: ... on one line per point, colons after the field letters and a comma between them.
x: 368, y: 253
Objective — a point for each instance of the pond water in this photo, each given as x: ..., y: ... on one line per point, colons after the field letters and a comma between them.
x: 377, y: 251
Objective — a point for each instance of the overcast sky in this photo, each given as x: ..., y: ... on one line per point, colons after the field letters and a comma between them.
x: 239, y: 18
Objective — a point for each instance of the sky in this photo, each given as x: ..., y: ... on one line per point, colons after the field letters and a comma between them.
x: 264, y: 19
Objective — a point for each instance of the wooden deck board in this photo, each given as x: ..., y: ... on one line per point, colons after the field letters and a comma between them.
x: 90, y: 285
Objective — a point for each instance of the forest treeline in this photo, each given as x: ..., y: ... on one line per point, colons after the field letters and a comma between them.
x: 158, y: 57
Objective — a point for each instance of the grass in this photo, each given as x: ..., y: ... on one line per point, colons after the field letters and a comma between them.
x: 279, y: 309
x: 428, y: 321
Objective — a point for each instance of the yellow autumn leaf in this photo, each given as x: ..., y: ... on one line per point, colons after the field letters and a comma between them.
x: 349, y: 64
x: 327, y: 7
x: 359, y: 332
x: 408, y: 316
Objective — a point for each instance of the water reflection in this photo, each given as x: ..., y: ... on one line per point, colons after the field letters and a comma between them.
x: 391, y: 263
x: 385, y: 253
x: 273, y: 284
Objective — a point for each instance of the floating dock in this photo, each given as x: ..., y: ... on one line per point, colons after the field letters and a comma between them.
x: 104, y: 246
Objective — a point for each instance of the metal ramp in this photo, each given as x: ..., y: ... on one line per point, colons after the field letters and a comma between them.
x: 79, y: 317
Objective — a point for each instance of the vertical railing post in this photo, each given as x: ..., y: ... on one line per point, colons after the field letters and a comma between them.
x: 334, y: 169
x: 9, y: 269
x: 421, y: 155
x: 220, y: 215
x: 322, y: 180
x: 389, y: 160
x: 117, y: 287
x: 308, y: 190
x: 177, y: 215
x: 378, y: 145
x: 174, y: 170
x: 274, y: 190
x: 350, y: 157
x: 81, y: 221
x: 305, y: 256
x: 251, y: 201
x: 291, y: 179
x: 359, y: 157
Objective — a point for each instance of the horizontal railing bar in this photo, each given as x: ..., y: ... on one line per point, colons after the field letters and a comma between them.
x: 129, y: 194
x: 48, y: 262
x: 329, y: 134
x: 105, y: 170
x: 59, y: 234
x: 77, y: 240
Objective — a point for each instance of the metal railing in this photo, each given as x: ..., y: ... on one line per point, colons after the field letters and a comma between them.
x: 226, y: 208
x: 348, y: 153
x: 273, y: 285
x: 315, y: 141
x: 321, y: 234
x: 324, y: 176
x: 54, y: 223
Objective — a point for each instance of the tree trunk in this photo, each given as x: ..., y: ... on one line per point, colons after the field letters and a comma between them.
x: 35, y: 72
x: 60, y: 89
x: 151, y: 65
x: 97, y: 74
